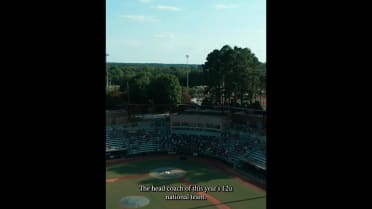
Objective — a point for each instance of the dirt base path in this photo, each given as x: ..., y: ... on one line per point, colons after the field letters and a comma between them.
x: 209, y: 197
x: 122, y: 178
x: 209, y: 162
x: 234, y: 174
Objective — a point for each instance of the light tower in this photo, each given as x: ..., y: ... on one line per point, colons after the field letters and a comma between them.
x: 187, y: 72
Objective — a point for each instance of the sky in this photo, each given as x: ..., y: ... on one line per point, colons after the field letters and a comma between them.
x: 165, y: 31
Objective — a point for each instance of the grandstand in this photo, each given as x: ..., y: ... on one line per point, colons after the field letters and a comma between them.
x: 115, y: 140
x: 144, y: 141
x: 257, y: 158
x: 198, y: 122
x: 237, y: 138
x: 144, y: 135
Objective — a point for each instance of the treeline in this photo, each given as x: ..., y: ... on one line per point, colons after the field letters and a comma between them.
x: 146, y: 88
x: 232, y: 76
x: 120, y: 73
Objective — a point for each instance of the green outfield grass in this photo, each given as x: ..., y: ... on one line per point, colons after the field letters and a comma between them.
x: 243, y: 196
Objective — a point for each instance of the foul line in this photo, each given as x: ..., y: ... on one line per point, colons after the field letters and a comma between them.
x: 210, y: 198
x: 232, y: 173
x: 219, y: 166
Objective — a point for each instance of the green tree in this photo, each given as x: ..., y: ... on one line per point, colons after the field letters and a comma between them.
x: 115, y: 75
x: 165, y: 89
x: 213, y: 76
x: 231, y: 73
x: 138, y: 88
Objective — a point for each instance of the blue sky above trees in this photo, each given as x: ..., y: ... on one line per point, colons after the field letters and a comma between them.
x: 164, y: 31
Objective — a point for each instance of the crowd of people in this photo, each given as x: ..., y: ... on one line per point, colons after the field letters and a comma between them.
x: 235, y: 143
x: 229, y: 146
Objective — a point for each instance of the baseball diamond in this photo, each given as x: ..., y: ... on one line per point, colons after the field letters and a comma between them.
x: 187, y: 160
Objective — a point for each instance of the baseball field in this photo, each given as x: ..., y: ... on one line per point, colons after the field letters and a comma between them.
x: 202, y: 185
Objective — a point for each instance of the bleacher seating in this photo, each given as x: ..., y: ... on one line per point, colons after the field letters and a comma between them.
x: 257, y: 158
x: 235, y: 144
x: 114, y: 140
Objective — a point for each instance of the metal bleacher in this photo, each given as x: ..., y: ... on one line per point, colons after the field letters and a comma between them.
x: 152, y: 134
x: 143, y: 144
x: 114, y: 140
x: 146, y: 138
x: 257, y: 158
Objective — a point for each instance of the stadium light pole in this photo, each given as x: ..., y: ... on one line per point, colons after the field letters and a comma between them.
x: 187, y: 72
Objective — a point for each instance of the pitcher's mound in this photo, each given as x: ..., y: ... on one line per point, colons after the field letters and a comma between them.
x: 167, y: 173
x: 134, y: 201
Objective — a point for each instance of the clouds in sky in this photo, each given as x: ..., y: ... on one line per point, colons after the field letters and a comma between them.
x: 226, y: 6
x: 164, y: 36
x: 141, y: 18
x: 173, y: 28
x: 167, y: 8
x: 145, y: 1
